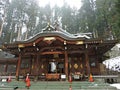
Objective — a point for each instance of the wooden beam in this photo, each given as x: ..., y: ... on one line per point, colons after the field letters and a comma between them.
x: 52, y: 52
x: 75, y: 51
x: 8, y: 62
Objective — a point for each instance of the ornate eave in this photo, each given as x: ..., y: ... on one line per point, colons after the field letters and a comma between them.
x: 60, y: 37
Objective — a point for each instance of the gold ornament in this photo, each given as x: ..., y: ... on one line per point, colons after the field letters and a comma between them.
x: 70, y: 66
x: 81, y: 66
x: 75, y: 66
x: 42, y: 66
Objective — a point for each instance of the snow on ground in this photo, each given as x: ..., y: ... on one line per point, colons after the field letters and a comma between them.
x: 117, y: 85
x: 113, y: 64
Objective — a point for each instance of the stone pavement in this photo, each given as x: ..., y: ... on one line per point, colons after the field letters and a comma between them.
x: 56, y: 85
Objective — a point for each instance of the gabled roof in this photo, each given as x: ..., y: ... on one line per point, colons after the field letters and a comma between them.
x: 60, y: 37
x: 54, y: 31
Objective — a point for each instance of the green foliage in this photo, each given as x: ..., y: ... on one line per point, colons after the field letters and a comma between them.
x: 117, y: 24
x: 107, y: 17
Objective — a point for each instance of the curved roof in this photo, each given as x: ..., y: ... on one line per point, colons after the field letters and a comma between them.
x: 61, y: 34
x: 54, y: 31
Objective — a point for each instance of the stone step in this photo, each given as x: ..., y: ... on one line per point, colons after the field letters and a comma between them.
x: 59, y: 85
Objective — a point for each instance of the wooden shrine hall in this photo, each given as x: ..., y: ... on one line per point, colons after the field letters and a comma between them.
x: 55, y: 54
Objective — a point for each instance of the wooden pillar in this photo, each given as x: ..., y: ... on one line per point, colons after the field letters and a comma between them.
x: 87, y: 63
x: 30, y: 68
x: 37, y: 67
x: 18, y: 67
x: 6, y: 67
x: 66, y: 64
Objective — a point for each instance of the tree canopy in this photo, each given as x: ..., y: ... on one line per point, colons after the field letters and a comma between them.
x: 24, y: 18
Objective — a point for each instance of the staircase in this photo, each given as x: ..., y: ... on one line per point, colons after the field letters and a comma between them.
x: 57, y: 85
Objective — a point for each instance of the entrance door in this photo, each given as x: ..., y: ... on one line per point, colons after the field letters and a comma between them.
x: 56, y: 66
x: 55, y: 69
x: 52, y: 67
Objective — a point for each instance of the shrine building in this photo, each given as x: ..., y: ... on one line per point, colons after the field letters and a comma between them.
x: 55, y: 54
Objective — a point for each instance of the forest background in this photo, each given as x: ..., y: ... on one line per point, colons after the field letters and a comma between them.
x: 22, y: 19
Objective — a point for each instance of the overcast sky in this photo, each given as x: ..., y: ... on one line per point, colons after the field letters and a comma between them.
x: 72, y: 3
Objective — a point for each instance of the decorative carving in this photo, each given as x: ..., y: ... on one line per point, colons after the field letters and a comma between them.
x: 42, y: 66
x: 79, y: 42
x: 32, y: 67
x: 75, y: 66
x: 70, y: 66
x: 21, y: 46
x: 81, y: 66
x: 49, y: 40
